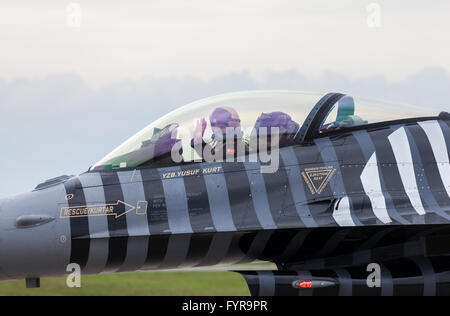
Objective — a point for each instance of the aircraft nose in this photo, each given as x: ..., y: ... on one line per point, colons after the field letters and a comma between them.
x: 30, y: 243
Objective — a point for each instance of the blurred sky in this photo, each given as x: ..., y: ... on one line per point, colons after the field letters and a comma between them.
x: 70, y: 92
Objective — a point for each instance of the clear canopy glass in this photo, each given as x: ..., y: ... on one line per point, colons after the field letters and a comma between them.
x: 246, y: 110
x: 354, y: 111
x: 153, y: 143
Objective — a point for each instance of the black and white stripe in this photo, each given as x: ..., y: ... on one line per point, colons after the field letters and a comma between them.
x: 79, y: 226
x: 118, y: 229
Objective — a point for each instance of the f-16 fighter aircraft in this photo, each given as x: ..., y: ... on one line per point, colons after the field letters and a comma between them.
x: 346, y: 196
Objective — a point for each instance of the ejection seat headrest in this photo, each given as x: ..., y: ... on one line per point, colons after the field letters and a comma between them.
x: 346, y: 108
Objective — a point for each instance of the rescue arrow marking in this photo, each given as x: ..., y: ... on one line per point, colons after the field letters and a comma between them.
x: 111, y: 209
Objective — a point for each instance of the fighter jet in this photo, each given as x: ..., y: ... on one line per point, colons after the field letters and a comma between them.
x: 347, y: 196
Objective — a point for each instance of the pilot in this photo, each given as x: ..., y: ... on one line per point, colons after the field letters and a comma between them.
x: 224, y: 120
x: 286, y: 128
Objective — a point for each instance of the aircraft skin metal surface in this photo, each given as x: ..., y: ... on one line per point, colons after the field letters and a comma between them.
x: 336, y: 204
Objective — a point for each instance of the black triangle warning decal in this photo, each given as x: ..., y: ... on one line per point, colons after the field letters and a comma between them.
x: 318, y: 178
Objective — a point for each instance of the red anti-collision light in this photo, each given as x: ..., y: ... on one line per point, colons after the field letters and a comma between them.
x: 314, y: 284
x: 304, y: 284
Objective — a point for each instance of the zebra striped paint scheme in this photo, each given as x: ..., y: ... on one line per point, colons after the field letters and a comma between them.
x: 234, y: 233
x: 350, y: 281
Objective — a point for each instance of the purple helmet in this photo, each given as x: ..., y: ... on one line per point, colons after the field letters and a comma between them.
x: 277, y: 119
x: 225, y: 116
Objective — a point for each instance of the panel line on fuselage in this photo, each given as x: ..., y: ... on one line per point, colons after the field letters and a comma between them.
x: 440, y: 151
x: 259, y: 195
x: 370, y: 178
x: 219, y: 201
x: 429, y: 166
x: 368, y: 149
x: 200, y: 215
x: 403, y: 156
x: 118, y: 230
x: 98, y: 225
x: 79, y: 226
x: 137, y: 226
x: 176, y: 202
x: 240, y: 195
x: 297, y: 187
x: 157, y: 218
x: 329, y: 157
x: 389, y: 175
x: 353, y: 162
x: 434, y: 212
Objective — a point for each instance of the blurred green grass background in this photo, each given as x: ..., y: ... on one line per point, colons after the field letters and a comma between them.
x: 189, y: 283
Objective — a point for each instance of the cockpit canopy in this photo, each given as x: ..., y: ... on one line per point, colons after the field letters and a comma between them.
x: 247, y: 112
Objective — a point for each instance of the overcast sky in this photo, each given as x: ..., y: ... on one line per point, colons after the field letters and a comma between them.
x: 207, y: 38
x: 73, y: 87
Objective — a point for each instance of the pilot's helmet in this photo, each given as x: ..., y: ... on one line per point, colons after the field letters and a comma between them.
x: 222, y: 118
x: 225, y: 117
x: 280, y: 120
